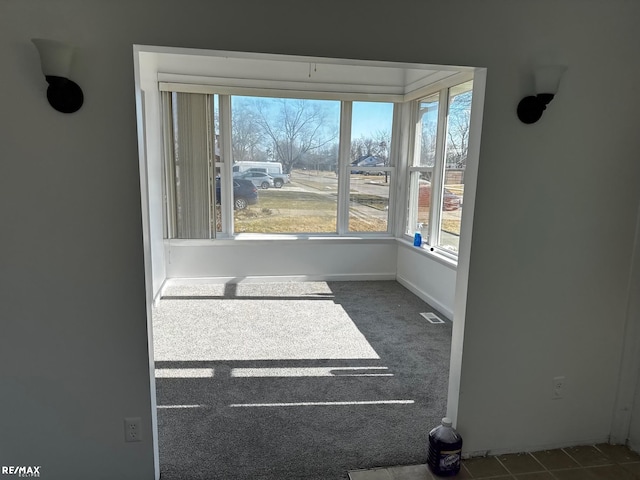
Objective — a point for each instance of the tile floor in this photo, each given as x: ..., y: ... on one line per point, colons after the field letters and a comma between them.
x: 597, y: 462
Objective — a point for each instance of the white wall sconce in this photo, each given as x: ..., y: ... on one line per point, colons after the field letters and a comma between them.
x: 55, y: 58
x: 547, y: 80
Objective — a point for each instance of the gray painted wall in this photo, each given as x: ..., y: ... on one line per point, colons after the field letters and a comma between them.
x: 628, y: 401
x: 552, y: 238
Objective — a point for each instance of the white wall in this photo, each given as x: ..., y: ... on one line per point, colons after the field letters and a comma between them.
x: 432, y: 280
x: 552, y: 234
x: 150, y: 144
x: 315, y: 259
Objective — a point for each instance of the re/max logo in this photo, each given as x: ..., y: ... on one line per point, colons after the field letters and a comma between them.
x: 31, y: 471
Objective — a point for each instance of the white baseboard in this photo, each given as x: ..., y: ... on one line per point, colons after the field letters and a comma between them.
x: 278, y: 278
x: 446, y: 311
x: 160, y: 292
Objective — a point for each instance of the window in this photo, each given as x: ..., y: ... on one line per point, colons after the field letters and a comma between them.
x: 424, y: 158
x: 302, y: 136
x: 285, y: 166
x: 436, y: 177
x: 370, y: 166
x: 257, y: 160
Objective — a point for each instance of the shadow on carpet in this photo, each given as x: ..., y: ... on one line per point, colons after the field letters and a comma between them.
x: 296, y: 380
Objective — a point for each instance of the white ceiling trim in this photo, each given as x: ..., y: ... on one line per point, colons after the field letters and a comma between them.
x: 256, y: 74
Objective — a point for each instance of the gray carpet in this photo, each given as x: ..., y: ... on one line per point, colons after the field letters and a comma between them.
x: 301, y: 380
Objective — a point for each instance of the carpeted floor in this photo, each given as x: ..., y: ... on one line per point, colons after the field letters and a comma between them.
x: 306, y: 380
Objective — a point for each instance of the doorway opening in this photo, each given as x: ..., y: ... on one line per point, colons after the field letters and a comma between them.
x: 350, y: 253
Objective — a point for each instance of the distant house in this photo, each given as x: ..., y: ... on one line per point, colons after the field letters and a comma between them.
x: 368, y: 161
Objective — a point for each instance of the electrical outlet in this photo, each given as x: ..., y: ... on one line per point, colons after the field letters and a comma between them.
x: 558, y: 388
x: 132, y: 429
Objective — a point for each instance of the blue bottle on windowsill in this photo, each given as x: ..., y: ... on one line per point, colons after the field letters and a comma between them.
x: 417, y: 239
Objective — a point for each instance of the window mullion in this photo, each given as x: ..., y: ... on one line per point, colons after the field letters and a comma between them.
x: 392, y: 161
x: 412, y: 147
x: 437, y: 179
x: 211, y: 164
x: 344, y: 172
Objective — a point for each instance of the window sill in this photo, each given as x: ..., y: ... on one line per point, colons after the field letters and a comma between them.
x: 427, y: 252
x: 250, y: 239
x: 254, y: 238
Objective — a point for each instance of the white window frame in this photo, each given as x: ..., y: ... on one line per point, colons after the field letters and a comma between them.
x: 438, y: 170
x: 226, y: 174
x: 402, y: 212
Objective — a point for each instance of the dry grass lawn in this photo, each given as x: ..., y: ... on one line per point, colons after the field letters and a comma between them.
x: 282, y: 211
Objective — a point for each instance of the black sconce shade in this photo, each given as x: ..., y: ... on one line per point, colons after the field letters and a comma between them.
x: 64, y: 95
x: 530, y: 108
x: 547, y: 80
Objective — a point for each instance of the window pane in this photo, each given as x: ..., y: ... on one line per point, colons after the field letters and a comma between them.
x: 371, y: 124
x: 217, y: 158
x: 425, y: 157
x: 308, y: 206
x: 369, y: 181
x: 421, y: 182
x: 369, y: 201
x: 302, y: 136
x: 426, y: 132
x: 458, y: 120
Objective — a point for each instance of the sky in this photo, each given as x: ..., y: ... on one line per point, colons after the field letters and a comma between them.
x: 371, y: 117
x: 367, y: 117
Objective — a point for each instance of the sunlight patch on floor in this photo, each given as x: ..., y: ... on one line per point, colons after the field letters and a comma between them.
x: 257, y: 330
x: 325, y: 404
x: 312, y: 372
x: 184, y: 372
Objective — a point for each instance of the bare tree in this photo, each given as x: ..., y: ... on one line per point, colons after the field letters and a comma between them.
x: 428, y: 142
x: 295, y: 128
x: 377, y: 145
x: 247, y: 135
x: 428, y: 132
x: 382, y: 140
x: 458, y: 130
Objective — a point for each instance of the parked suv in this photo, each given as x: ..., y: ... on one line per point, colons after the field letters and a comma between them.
x: 279, y: 179
x: 259, y: 179
x: 245, y: 193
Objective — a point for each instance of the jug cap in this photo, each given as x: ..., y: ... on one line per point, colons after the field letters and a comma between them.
x: 446, y: 421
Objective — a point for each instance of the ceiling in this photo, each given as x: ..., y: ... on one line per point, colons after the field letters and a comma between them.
x: 301, y: 73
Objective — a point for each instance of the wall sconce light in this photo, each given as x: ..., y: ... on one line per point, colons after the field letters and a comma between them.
x: 55, y: 58
x: 547, y: 80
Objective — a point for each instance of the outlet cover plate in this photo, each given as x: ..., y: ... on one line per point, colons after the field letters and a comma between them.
x: 132, y: 429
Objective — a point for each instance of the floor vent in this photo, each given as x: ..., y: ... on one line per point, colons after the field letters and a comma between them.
x: 432, y: 317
